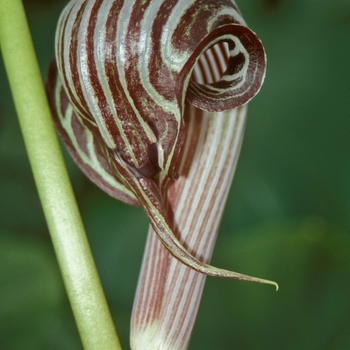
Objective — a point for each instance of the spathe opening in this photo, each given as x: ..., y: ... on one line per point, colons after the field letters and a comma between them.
x: 212, y: 64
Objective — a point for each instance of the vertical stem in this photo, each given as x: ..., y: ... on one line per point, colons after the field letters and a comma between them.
x: 67, y: 232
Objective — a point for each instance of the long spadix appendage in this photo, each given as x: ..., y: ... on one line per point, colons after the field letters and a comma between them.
x: 150, y: 197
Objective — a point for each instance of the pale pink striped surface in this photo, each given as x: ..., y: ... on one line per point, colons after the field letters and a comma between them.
x: 169, y: 292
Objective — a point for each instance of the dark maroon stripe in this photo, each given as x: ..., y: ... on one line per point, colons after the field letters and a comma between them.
x: 160, y: 76
x: 133, y: 130
x: 93, y: 76
x: 73, y: 63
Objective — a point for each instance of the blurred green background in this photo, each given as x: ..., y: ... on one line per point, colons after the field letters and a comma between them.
x: 287, y: 218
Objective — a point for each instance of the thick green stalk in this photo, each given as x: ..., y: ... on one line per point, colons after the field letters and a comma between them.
x: 68, y: 235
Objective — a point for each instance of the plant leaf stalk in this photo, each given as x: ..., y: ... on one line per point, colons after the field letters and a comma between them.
x: 68, y: 235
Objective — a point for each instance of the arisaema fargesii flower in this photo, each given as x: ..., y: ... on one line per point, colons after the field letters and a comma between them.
x: 150, y: 99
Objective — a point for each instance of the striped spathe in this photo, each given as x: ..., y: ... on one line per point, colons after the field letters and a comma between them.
x: 129, y: 78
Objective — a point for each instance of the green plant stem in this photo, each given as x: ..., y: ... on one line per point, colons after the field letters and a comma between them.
x: 67, y: 232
